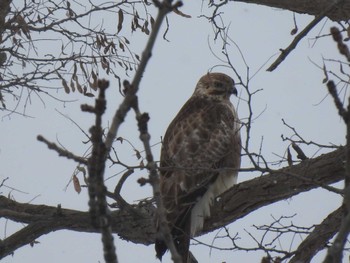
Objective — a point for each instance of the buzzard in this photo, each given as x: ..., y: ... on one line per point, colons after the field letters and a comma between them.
x: 200, y: 158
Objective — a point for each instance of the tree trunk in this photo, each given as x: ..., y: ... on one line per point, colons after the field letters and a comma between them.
x: 340, y: 12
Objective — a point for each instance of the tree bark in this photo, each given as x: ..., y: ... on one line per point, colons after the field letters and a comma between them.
x: 239, y: 201
x: 340, y: 12
x: 251, y: 195
x: 318, y: 239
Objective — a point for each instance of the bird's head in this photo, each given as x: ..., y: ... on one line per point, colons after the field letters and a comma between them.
x: 215, y: 85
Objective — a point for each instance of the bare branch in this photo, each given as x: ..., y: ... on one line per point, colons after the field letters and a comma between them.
x: 319, y: 237
x: 300, y: 36
x: 236, y: 203
x: 339, y: 105
x: 60, y: 151
x: 341, y: 12
x: 335, y: 252
x: 301, y: 139
x: 127, y: 103
x: 99, y: 212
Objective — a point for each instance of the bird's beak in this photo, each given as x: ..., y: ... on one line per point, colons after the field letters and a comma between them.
x: 234, y: 91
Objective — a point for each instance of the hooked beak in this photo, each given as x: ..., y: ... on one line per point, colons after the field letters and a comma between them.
x: 234, y: 91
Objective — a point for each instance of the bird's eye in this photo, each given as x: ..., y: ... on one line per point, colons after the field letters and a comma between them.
x: 218, y: 84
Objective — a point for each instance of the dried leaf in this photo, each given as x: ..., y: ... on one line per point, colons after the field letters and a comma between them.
x: 120, y: 139
x: 79, y: 88
x: 71, y: 13
x: 105, y: 50
x: 98, y: 42
x: 126, y: 40
x: 112, y: 47
x: 301, y: 155
x: 325, y: 73
x: 152, y: 21
x: 83, y: 69
x: 294, y: 31
x: 88, y: 94
x: 72, y: 85
x: 93, y: 75
x: 105, y: 65
x: 50, y: 11
x: 75, y: 69
x: 76, y: 184
x: 136, y: 22
x: 145, y: 28
x: 105, y: 40
x: 65, y: 86
x: 138, y: 155
x: 178, y: 12
x: 289, y: 157
x: 341, y: 68
x: 121, y: 46
x: 120, y: 20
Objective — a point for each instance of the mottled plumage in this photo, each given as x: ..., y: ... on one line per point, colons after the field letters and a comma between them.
x: 204, y: 136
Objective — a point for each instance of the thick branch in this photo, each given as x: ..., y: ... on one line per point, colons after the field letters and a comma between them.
x: 44, y: 219
x: 251, y: 195
x: 341, y: 12
x: 241, y: 200
x: 319, y: 237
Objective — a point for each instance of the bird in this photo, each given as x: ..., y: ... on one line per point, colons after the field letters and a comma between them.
x: 200, y: 159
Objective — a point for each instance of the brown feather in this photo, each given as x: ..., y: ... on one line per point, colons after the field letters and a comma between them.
x: 203, y: 136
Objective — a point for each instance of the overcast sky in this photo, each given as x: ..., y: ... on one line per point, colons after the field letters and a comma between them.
x: 294, y: 92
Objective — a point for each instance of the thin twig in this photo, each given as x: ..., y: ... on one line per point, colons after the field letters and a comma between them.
x: 300, y: 36
x: 125, y: 106
x: 130, y: 101
x: 122, y: 203
x: 154, y: 181
x: 60, y: 151
x: 335, y: 252
x: 99, y: 212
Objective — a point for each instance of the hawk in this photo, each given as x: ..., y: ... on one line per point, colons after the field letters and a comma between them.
x: 201, y: 141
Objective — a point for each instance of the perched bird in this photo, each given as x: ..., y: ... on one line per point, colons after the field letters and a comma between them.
x: 200, y: 158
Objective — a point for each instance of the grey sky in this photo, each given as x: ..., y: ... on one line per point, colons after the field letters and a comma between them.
x: 294, y: 92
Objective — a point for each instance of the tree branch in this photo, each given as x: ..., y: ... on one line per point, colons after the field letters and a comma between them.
x: 300, y: 36
x: 127, y: 103
x: 236, y: 203
x: 318, y: 239
x: 251, y: 195
x: 341, y: 12
x: 60, y: 151
x: 99, y: 211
